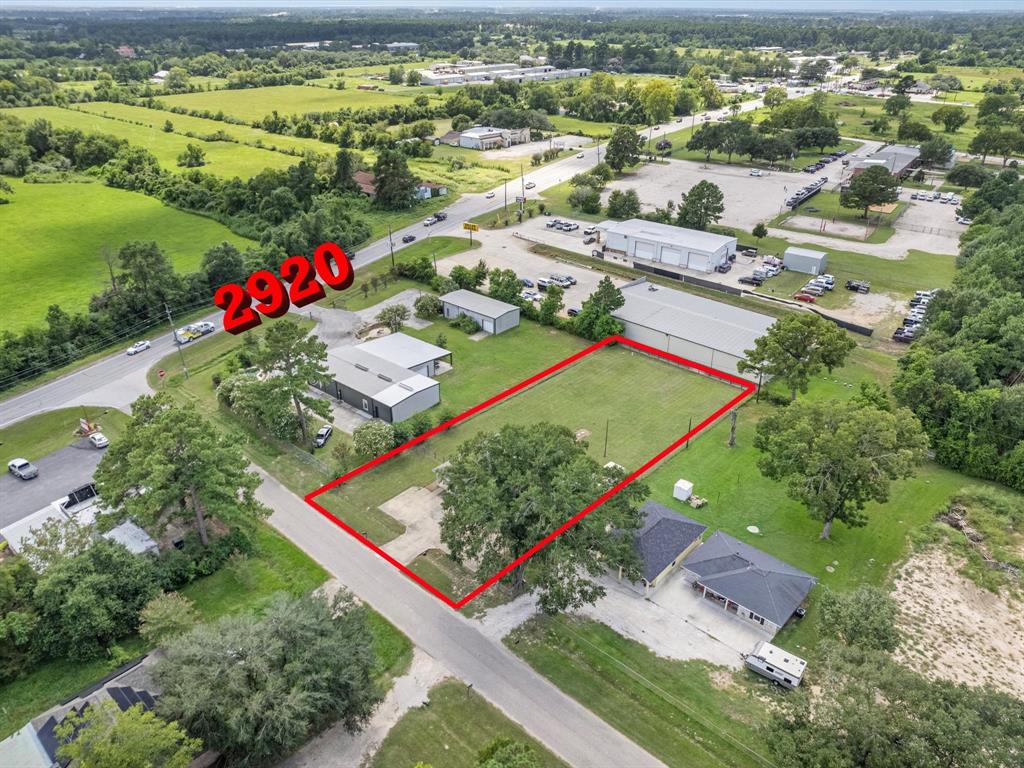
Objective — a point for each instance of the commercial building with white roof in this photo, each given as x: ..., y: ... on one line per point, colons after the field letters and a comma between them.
x: 662, y: 248
x: 379, y: 387
x: 407, y: 351
x: 491, y: 315
x: 692, y: 327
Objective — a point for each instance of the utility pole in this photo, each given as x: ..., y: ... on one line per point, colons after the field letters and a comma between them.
x: 175, y: 340
x: 391, y: 243
x: 606, y: 422
x: 506, y: 196
x: 522, y: 203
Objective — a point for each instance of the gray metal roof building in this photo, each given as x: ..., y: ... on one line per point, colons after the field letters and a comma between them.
x: 378, y: 387
x: 664, y: 538
x: 407, y: 351
x: 805, y: 260
x: 692, y: 327
x: 753, y: 584
x: 491, y: 315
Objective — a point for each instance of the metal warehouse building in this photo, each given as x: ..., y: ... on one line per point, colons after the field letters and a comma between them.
x: 408, y: 352
x: 491, y: 315
x: 805, y: 260
x: 378, y: 387
x: 698, y: 329
x: 658, y: 247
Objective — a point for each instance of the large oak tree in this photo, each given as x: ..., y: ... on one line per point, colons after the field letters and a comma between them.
x: 507, y: 490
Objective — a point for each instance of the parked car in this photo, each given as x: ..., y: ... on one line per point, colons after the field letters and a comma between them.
x: 589, y: 239
x: 530, y: 185
x: 860, y: 286
x: 757, y: 172
x: 913, y: 195
x: 526, y: 282
x: 323, y: 435
x: 553, y: 223
x: 572, y: 312
x: 963, y: 220
x: 408, y: 238
x: 542, y: 284
x: 565, y: 278
x: 98, y: 440
x: 489, y: 195
x: 814, y: 290
x: 138, y: 346
x: 751, y: 280
x: 723, y: 268
x: 529, y: 295
x: 580, y: 156
x: 22, y: 468
x: 803, y: 296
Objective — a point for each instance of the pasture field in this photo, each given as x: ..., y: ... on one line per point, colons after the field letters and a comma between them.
x: 201, y: 126
x: 853, y: 113
x: 53, y: 235
x: 580, y: 396
x: 223, y: 158
x: 974, y: 78
x: 564, y: 124
x: 255, y: 103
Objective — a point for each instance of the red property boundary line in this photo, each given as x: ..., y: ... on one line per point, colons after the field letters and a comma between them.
x: 747, y: 387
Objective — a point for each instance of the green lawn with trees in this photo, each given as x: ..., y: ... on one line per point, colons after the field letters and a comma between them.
x: 56, y: 236
x: 450, y: 730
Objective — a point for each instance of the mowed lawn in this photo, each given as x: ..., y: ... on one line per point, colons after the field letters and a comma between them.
x: 47, y: 432
x: 854, y: 113
x: 223, y: 158
x: 643, y: 403
x: 673, y: 709
x: 256, y: 103
x: 201, y: 126
x: 54, y: 234
x: 450, y: 730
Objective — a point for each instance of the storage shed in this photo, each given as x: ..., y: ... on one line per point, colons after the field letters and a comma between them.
x: 491, y: 315
x: 662, y: 248
x: 805, y: 260
x: 378, y: 387
x: 698, y: 329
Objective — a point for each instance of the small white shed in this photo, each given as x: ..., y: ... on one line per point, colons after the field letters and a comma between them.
x: 682, y: 490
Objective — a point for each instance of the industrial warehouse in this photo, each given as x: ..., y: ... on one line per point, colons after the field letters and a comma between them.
x: 663, y: 249
x: 698, y: 329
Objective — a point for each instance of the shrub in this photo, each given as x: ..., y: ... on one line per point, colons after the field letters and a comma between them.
x: 428, y: 306
x: 465, y: 323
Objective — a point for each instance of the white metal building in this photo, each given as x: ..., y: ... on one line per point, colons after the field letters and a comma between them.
x: 674, y: 249
x: 407, y: 351
x: 805, y: 260
x: 485, y: 137
x: 381, y: 388
x: 698, y: 329
x: 491, y: 315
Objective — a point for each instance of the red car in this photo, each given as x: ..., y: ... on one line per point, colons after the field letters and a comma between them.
x: 805, y: 297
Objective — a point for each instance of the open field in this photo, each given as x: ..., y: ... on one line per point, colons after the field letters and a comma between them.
x: 54, y: 235
x: 684, y: 712
x: 223, y: 158
x: 200, y: 126
x: 450, y: 730
x: 565, y: 124
x: 973, y: 78
x: 256, y: 103
x: 853, y: 113
x: 581, y: 396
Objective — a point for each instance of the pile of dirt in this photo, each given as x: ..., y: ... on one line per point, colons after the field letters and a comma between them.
x: 956, y: 630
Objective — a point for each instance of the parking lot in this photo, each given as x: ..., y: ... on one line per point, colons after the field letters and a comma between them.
x: 59, y: 472
x: 500, y: 249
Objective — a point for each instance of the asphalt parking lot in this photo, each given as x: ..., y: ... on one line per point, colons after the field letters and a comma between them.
x: 59, y: 472
x: 748, y: 199
x: 503, y: 251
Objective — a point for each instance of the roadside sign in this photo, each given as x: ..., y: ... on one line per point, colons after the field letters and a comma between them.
x: 161, y: 373
x: 520, y: 199
x: 84, y: 425
x: 470, y: 227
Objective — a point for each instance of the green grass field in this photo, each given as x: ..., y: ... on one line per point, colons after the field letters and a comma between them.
x: 565, y: 124
x: 578, y: 397
x: 54, y: 235
x: 223, y: 158
x: 256, y: 103
x: 974, y: 78
x: 852, y: 122
x: 671, y: 708
x: 450, y: 730
x: 35, y: 437
x: 200, y: 126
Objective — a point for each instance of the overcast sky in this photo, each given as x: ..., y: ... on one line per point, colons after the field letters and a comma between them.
x: 827, y: 6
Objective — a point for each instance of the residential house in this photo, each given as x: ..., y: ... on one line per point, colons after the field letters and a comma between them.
x: 662, y: 543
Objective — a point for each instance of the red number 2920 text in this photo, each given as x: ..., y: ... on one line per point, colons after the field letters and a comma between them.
x: 272, y: 298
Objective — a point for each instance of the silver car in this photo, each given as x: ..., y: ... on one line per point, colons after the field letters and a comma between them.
x: 22, y: 468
